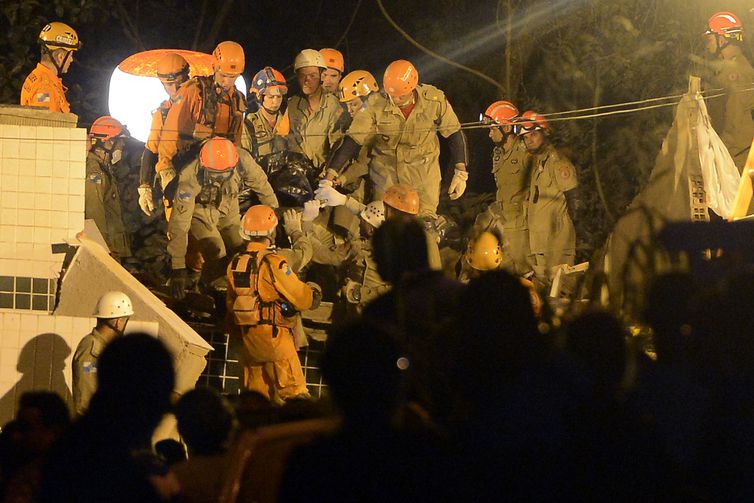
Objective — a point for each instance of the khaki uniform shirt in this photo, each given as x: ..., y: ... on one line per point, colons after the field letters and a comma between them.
x: 204, y: 208
x: 511, y: 170
x: 102, y: 204
x: 406, y: 150
x: 84, y: 368
x: 737, y: 129
x: 42, y: 88
x: 314, y: 133
x: 260, y: 138
x: 551, y: 230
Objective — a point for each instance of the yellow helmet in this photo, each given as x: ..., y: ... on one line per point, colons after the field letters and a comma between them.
x: 172, y: 68
x: 57, y: 35
x: 358, y: 83
x: 485, y: 253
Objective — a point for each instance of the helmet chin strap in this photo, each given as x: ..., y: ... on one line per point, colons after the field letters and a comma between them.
x: 58, y: 68
x: 114, y: 326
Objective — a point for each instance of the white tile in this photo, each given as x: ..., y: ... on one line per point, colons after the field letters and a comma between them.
x: 77, y: 169
x: 76, y: 220
x: 75, y: 203
x: 9, y: 358
x: 61, y: 150
x: 23, y: 268
x: 43, y: 186
x: 43, y: 201
x: 9, y: 166
x: 7, y: 249
x: 76, y: 187
x: 78, y: 134
x: 27, y: 149
x: 60, y: 185
x: 45, y: 150
x: 60, y: 168
x: 25, y: 200
x: 59, y: 219
x: 9, y: 374
x: 78, y: 151
x: 24, y: 251
x: 59, y: 202
x: 43, y: 167
x: 45, y: 133
x: 63, y: 324
x: 45, y: 323
x: 41, y: 269
x: 10, y: 148
x: 9, y: 183
x: 25, y: 183
x: 41, y: 235
x: 28, y: 321
x: 27, y: 132
x: 25, y: 336
x: 7, y: 234
x: 25, y: 217
x: 42, y: 250
x: 8, y: 216
x: 9, y: 130
x: 42, y: 218
x: 11, y: 321
x: 61, y: 133
x: 9, y: 200
x: 24, y: 235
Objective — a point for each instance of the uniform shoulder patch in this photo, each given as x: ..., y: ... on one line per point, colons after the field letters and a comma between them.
x: 565, y: 171
x: 734, y: 76
x: 185, y: 195
x: 94, y: 178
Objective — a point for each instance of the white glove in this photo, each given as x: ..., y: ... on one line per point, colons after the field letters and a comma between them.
x: 166, y: 176
x: 458, y: 184
x: 291, y: 222
x: 329, y: 196
x: 146, y: 203
x: 311, y: 210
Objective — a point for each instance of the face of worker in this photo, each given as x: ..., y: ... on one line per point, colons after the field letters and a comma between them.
x: 226, y: 80
x: 272, y: 100
x: 172, y: 87
x: 496, y: 135
x: 309, y: 79
x: 404, y: 100
x: 354, y: 105
x: 62, y: 58
x: 710, y: 40
x: 330, y: 80
x: 534, y: 140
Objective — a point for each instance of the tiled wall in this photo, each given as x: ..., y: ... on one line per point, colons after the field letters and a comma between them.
x: 36, y: 350
x: 41, y: 196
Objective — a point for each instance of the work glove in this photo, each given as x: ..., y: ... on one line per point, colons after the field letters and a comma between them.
x: 331, y: 175
x: 328, y: 195
x: 167, y: 175
x: 352, y: 291
x: 316, y: 294
x: 458, y: 184
x: 311, y: 210
x: 291, y: 222
x: 178, y: 283
x: 146, y: 203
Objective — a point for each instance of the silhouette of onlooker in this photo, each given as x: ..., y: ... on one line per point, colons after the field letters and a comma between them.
x: 41, y: 419
x: 206, y: 423
x: 102, y: 456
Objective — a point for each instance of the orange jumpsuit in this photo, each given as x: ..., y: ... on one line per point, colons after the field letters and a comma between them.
x: 200, y: 110
x: 266, y: 350
x: 42, y: 88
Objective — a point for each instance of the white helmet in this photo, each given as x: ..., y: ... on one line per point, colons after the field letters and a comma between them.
x: 309, y: 57
x: 374, y: 213
x: 114, y: 305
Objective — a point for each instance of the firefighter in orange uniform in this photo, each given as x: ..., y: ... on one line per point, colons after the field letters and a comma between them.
x: 263, y: 300
x: 173, y: 71
x: 43, y: 86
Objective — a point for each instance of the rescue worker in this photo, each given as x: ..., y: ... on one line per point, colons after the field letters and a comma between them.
x: 43, y: 87
x: 113, y: 311
x: 205, y: 107
x: 484, y: 253
x: 404, y: 128
x: 335, y: 67
x: 173, y: 71
x: 553, y: 200
x: 266, y: 129
x: 206, y: 208
x: 733, y: 73
x: 511, y: 168
x: 263, y: 301
x: 317, y: 119
x: 101, y: 199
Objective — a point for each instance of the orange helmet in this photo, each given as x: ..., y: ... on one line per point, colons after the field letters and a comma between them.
x: 106, y: 128
x: 358, y: 83
x: 333, y: 59
x: 229, y: 57
x: 218, y: 154
x: 532, y: 121
x: 400, y: 78
x: 485, y: 253
x: 259, y: 220
x: 172, y: 68
x: 725, y: 24
x: 500, y: 112
x: 402, y: 198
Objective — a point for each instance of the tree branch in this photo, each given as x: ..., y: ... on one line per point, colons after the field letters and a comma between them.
x: 211, y: 39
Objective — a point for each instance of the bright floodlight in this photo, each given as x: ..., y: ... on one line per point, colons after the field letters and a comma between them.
x: 132, y: 100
